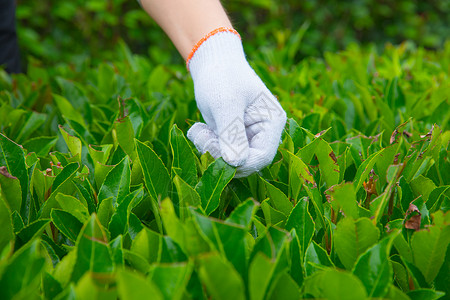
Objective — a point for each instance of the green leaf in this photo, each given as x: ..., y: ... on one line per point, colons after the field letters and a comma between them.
x: 40, y: 145
x: 365, y: 168
x: 6, y: 225
x: 89, y: 286
x: 297, y: 265
x: 132, y: 286
x: 51, y: 287
x: 242, y: 215
x: 316, y: 258
x: 271, y: 215
x: 260, y: 275
x: 117, y: 182
x: 422, y: 185
x: 73, y: 206
x: 429, y: 247
x: 105, y: 212
x: 93, y: 252
x: 62, y: 179
x: 443, y: 277
x: 33, y: 122
x: 352, y: 238
x: 30, y: 232
x: 278, y: 199
x: 66, y: 223
x: 116, y: 246
x: 100, y: 153
x: 298, y: 174
x: 344, y: 194
x: 212, y: 183
x: 120, y: 218
x: 184, y: 234
x: 125, y: 136
x: 302, y: 222
x: 374, y: 268
x: 147, y: 244
x: 329, y: 169
x: 156, y: 177
x: 67, y: 110
x: 183, y: 157
x: 284, y: 287
x: 416, y: 277
x: 335, y: 285
x: 10, y: 190
x: 171, y: 279
x: 73, y: 143
x: 21, y: 277
x: 425, y: 294
x: 64, y: 269
x: 228, y: 239
x: 14, y: 157
x: 220, y: 278
x: 187, y: 195
x: 378, y: 205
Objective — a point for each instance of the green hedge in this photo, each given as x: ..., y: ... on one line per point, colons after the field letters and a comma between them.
x: 65, y: 30
x: 102, y: 196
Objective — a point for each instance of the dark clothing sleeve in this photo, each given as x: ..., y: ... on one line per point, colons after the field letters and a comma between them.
x: 9, y: 49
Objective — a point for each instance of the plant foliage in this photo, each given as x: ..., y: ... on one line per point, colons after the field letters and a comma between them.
x: 102, y: 195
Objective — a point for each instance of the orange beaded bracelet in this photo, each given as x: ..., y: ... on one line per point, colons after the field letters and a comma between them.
x: 199, y: 43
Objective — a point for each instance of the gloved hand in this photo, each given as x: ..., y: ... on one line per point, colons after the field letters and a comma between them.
x: 244, y: 121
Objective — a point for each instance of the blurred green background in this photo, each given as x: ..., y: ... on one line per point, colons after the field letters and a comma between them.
x: 62, y: 31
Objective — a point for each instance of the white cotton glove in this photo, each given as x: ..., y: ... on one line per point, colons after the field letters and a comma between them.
x: 244, y: 121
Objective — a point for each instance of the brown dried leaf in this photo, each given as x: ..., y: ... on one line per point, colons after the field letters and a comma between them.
x: 393, y: 136
x: 407, y: 133
x: 4, y: 172
x: 429, y: 134
x: 370, y: 186
x: 333, y: 156
x: 412, y: 217
x: 320, y: 133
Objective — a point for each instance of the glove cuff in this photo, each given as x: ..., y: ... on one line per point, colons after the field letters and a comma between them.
x: 221, y: 44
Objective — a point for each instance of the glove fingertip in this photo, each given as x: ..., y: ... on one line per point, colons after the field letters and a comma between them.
x: 195, y: 130
x: 235, y: 158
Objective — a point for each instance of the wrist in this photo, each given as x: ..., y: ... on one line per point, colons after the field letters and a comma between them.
x: 220, y: 46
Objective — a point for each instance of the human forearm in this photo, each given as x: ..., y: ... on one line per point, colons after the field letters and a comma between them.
x: 187, y: 21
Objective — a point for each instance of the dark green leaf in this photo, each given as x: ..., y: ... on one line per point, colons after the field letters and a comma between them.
x: 302, y: 222
x: 316, y: 258
x: 220, y: 278
x: 21, y: 276
x: 93, y: 252
x: 157, y: 179
x: 66, y: 223
x: 117, y: 183
x: 6, y: 225
x: 352, y: 238
x: 335, y: 285
x: 183, y: 157
x: 212, y: 183
x: 132, y: 286
x: 374, y: 269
